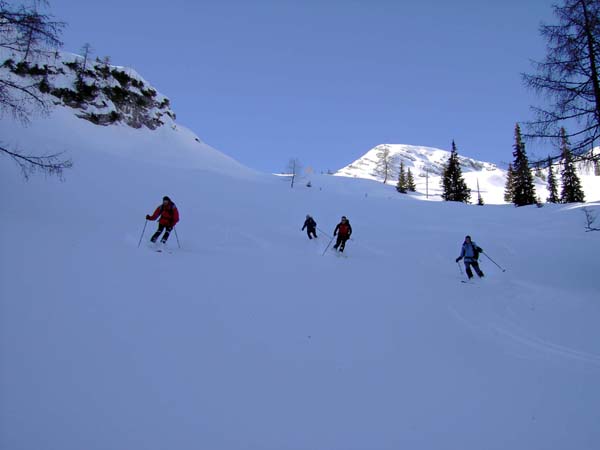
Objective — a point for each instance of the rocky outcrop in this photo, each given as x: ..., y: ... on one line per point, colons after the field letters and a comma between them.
x: 101, y: 93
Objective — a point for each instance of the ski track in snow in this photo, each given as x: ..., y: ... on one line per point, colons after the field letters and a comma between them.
x: 507, y: 333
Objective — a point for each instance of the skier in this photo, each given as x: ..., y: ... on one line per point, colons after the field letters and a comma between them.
x: 343, y: 230
x: 169, y: 216
x: 310, y: 226
x: 470, y: 252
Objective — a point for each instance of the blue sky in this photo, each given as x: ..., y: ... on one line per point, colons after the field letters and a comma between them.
x: 325, y: 81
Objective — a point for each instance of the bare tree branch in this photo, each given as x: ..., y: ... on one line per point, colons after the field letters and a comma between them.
x: 50, y: 164
x: 568, y: 77
x: 26, y: 32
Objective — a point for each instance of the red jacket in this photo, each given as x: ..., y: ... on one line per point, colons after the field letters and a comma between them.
x: 344, y: 229
x: 169, y: 215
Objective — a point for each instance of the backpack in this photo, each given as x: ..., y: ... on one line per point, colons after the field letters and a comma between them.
x: 171, y: 207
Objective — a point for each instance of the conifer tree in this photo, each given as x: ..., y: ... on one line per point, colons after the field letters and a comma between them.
x: 571, y: 185
x: 551, y: 185
x: 453, y: 185
x: 410, y: 182
x: 522, y: 187
x: 508, y: 187
x: 401, y: 186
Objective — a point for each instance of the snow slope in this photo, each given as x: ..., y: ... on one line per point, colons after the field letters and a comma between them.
x: 422, y: 160
x: 248, y: 338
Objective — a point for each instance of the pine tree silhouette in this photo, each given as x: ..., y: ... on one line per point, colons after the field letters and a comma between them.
x: 551, y: 185
x: 508, y: 187
x: 410, y: 182
x: 453, y: 185
x: 401, y: 186
x: 523, y: 188
x: 571, y: 185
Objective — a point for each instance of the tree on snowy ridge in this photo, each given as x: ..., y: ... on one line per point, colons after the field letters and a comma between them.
x: 568, y: 76
x: 508, y: 187
x: 523, y: 189
x: 571, y: 185
x: 384, y: 163
x: 86, y: 52
x: 453, y: 185
x: 25, y: 32
x: 410, y: 181
x: 294, y: 168
x: 551, y: 185
x: 401, y: 185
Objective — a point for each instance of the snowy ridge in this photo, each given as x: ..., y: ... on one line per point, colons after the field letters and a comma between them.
x: 426, y: 164
x: 419, y: 159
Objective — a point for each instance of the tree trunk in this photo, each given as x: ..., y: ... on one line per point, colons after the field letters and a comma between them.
x: 591, y: 44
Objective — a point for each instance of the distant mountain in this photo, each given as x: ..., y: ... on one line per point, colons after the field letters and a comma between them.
x: 427, y: 163
x: 419, y: 159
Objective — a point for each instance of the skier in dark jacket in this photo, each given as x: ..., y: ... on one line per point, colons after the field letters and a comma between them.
x: 343, y: 230
x: 169, y: 216
x: 470, y: 252
x: 311, y: 227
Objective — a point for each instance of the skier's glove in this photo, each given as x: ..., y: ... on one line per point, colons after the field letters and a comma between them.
x: 457, y: 259
x: 147, y: 217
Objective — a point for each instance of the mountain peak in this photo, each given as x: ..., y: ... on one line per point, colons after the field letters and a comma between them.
x: 419, y: 159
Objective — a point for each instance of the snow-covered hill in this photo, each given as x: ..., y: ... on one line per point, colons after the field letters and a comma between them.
x: 250, y: 336
x: 426, y: 164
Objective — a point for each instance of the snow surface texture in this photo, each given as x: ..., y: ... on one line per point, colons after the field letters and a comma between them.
x: 492, y: 179
x: 248, y: 338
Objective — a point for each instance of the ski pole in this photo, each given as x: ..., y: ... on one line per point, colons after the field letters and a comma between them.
x: 143, y: 231
x: 460, y: 268
x: 486, y: 255
x: 175, y: 230
x: 325, y: 251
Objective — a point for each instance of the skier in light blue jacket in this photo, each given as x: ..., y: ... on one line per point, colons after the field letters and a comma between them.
x: 470, y: 252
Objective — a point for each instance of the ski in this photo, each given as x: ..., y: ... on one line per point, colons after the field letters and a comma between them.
x: 159, y: 248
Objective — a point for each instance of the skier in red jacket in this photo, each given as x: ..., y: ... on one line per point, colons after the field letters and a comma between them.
x: 343, y: 230
x: 169, y: 216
